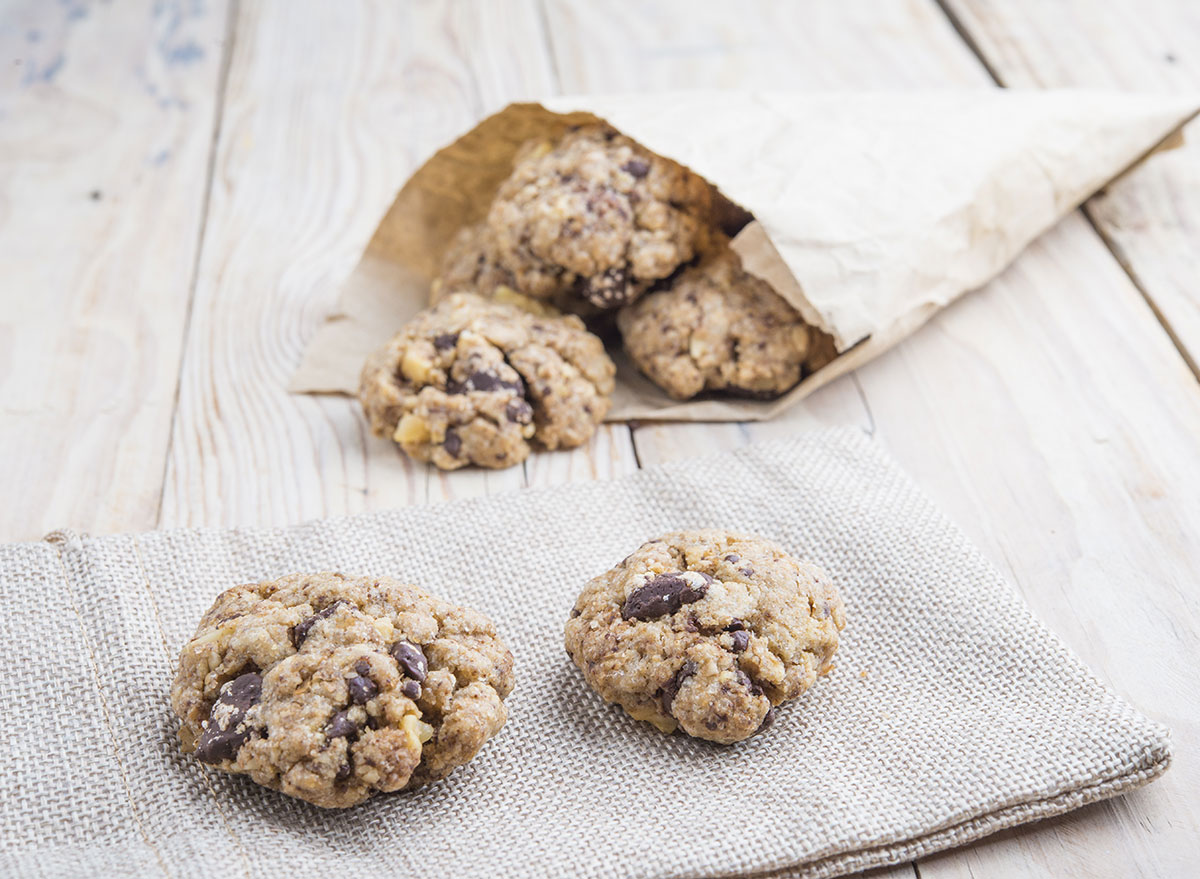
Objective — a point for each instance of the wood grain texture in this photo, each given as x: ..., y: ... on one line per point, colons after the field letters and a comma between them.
x: 1048, y: 413
x: 1151, y: 217
x: 106, y: 119
x: 328, y: 109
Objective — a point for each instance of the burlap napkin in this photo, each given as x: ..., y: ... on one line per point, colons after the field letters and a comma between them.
x: 952, y: 713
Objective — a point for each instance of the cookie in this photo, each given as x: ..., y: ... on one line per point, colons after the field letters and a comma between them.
x: 469, y: 265
x: 717, y: 328
x: 477, y: 381
x: 594, y: 218
x: 706, y: 631
x: 333, y: 688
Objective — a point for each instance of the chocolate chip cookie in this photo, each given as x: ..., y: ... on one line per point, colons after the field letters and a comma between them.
x: 592, y: 218
x: 476, y: 381
x: 333, y: 688
x: 469, y: 265
x: 717, y: 328
x: 706, y: 631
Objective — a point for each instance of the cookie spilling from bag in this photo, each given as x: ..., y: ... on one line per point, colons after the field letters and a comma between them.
x: 479, y: 381
x: 707, y: 632
x: 593, y: 225
x: 333, y: 688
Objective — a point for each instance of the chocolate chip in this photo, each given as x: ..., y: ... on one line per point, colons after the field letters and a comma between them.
x: 518, y: 411
x: 671, y: 689
x: 363, y: 667
x: 224, y: 735
x: 636, y: 167
x: 445, y: 340
x: 484, y: 381
x: 750, y: 684
x: 767, y: 721
x: 453, y: 442
x: 607, y: 289
x: 362, y: 689
x: 735, y: 625
x: 340, y: 726
x: 411, y: 689
x: 300, y: 631
x: 411, y: 660
x: 665, y: 594
x: 733, y: 558
x: 746, y: 571
x: 575, y: 612
x: 741, y: 640
x: 344, y: 772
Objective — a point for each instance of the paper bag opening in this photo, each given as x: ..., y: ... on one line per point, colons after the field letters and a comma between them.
x: 866, y: 212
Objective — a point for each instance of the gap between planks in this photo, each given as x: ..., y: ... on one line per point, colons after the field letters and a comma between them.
x: 231, y: 21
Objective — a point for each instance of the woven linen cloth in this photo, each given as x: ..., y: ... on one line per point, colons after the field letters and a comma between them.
x: 952, y: 712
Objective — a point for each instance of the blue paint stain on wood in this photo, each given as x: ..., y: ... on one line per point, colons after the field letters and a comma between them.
x: 187, y: 53
x: 35, y: 74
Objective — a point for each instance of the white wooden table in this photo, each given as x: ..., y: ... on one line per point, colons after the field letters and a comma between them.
x: 183, y: 183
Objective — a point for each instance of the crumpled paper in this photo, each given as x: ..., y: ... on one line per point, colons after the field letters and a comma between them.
x: 867, y: 212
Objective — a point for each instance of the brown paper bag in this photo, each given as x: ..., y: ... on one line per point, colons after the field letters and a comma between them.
x: 869, y: 211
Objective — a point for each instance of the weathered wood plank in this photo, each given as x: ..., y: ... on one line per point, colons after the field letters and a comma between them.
x: 1151, y: 217
x: 328, y: 108
x: 106, y: 125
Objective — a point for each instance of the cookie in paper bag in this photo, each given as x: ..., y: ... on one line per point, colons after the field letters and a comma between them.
x: 717, y: 328
x: 587, y: 222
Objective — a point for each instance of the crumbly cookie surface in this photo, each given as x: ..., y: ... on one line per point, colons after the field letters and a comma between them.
x: 595, y: 218
x: 717, y: 328
x: 476, y: 381
x: 469, y: 264
x: 706, y: 631
x: 333, y: 688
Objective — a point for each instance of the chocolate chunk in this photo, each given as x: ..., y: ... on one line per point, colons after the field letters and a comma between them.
x: 411, y: 660
x: 746, y: 570
x: 665, y: 594
x: 518, y: 411
x: 735, y: 625
x: 344, y: 772
x: 741, y: 640
x: 575, y: 612
x: 453, y: 442
x: 484, y: 381
x: 363, y: 666
x: 224, y: 734
x: 636, y: 167
x: 733, y: 558
x: 411, y: 689
x: 671, y: 689
x: 300, y: 631
x: 607, y: 289
x: 341, y: 726
x: 362, y: 689
x: 445, y: 340
x: 767, y: 721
